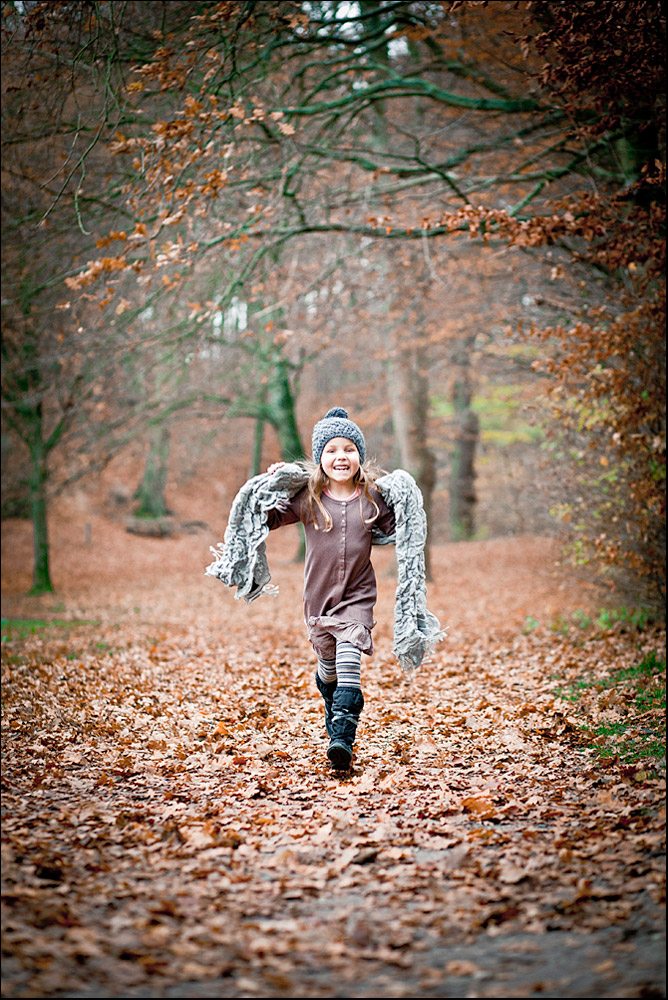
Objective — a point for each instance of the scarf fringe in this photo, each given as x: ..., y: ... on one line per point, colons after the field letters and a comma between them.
x: 416, y: 630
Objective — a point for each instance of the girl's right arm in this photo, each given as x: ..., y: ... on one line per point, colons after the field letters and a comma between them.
x: 277, y: 518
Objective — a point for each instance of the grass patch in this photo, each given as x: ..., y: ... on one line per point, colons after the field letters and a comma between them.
x: 624, y: 714
x: 605, y: 620
x: 634, y: 618
x: 21, y: 628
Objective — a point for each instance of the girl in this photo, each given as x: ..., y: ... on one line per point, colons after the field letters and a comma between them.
x: 344, y: 509
x: 339, y: 507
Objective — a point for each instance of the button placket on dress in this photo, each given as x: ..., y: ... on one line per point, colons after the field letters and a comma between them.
x: 342, y: 545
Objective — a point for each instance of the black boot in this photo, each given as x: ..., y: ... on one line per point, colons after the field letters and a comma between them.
x: 327, y: 691
x: 347, y: 705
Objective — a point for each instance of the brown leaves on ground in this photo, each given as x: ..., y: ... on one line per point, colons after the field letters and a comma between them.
x: 170, y: 815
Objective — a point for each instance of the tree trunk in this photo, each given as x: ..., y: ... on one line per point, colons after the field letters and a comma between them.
x: 409, y: 383
x: 41, y: 578
x: 258, y: 440
x: 280, y: 408
x: 409, y: 394
x: 281, y: 412
x: 463, y: 497
x: 150, y: 494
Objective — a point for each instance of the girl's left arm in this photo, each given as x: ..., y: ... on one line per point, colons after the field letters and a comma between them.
x: 386, y: 521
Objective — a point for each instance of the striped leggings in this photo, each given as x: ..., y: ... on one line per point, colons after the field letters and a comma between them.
x: 345, y: 669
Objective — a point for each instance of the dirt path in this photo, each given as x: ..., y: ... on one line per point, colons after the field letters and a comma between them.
x: 561, y: 964
x: 171, y: 827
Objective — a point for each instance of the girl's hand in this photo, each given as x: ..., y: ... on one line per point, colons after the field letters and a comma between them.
x: 274, y: 466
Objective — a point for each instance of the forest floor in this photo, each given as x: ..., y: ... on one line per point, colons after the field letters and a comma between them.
x: 171, y: 826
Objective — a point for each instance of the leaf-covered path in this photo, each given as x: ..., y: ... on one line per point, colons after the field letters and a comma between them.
x: 170, y: 817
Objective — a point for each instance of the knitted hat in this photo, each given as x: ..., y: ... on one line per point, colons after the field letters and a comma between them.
x: 335, y: 423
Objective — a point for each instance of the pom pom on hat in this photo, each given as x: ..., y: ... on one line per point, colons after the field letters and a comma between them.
x: 336, y: 423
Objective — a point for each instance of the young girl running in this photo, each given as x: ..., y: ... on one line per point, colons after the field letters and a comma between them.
x: 339, y: 507
x: 345, y: 509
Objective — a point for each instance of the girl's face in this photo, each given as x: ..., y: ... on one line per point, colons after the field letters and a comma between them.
x: 340, y: 460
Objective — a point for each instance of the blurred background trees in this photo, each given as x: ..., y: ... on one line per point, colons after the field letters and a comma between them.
x: 447, y: 217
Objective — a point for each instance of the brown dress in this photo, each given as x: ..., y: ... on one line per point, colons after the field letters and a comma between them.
x: 339, y: 580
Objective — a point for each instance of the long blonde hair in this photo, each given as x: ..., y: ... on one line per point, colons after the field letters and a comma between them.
x: 365, y: 477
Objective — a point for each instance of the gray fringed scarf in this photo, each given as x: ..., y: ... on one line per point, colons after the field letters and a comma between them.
x: 241, y: 559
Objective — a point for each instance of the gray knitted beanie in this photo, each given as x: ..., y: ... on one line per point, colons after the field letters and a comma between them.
x: 336, y: 423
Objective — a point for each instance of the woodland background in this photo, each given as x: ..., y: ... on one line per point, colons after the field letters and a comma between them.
x: 219, y: 220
